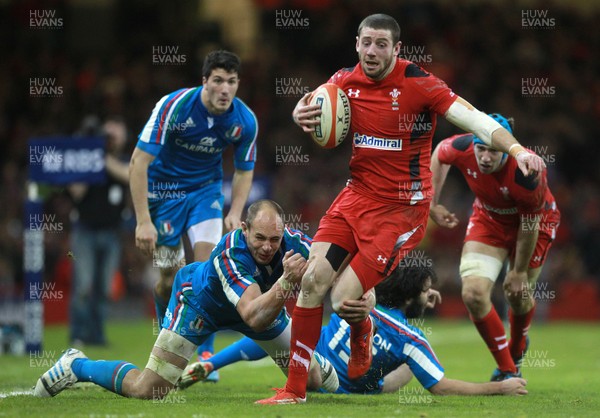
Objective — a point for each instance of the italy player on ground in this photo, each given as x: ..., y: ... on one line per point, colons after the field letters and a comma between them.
x: 400, y: 350
x: 242, y: 287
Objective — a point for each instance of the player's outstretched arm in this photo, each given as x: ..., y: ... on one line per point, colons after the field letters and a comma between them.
x: 397, y: 379
x: 259, y: 310
x: 306, y: 116
x: 145, y: 232
x: 438, y: 213
x: 513, y: 386
x: 464, y: 115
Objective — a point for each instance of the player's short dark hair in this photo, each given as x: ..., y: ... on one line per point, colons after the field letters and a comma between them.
x: 255, y: 207
x: 406, y: 282
x: 381, y: 21
x: 226, y: 60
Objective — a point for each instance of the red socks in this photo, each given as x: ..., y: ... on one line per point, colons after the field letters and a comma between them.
x: 491, y: 329
x: 519, y: 327
x: 360, y: 328
x: 306, y: 330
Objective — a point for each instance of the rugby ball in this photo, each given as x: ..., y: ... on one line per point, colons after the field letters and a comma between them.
x: 335, y: 115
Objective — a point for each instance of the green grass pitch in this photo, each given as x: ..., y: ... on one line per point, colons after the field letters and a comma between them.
x: 562, y: 370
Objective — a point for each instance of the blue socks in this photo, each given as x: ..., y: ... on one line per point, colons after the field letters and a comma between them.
x: 244, y: 349
x: 160, y: 306
x: 208, y: 345
x: 108, y: 374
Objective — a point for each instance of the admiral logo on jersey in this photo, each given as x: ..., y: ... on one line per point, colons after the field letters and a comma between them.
x: 368, y: 141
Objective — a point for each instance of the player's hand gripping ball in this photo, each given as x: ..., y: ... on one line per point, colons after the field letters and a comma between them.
x: 335, y: 117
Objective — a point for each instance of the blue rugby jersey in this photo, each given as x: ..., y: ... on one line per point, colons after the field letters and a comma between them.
x: 188, y: 141
x: 395, y: 343
x: 220, y: 282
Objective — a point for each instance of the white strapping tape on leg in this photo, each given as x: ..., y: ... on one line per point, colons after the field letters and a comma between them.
x: 480, y: 265
x: 173, y: 343
x: 164, y: 369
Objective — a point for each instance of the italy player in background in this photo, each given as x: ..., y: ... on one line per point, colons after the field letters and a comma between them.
x: 176, y: 172
x: 400, y: 350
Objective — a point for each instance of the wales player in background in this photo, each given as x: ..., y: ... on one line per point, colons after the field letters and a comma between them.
x: 176, y: 171
x: 514, y: 218
x: 400, y: 350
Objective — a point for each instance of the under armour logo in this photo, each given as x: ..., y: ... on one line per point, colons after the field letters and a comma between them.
x: 353, y: 93
x: 472, y: 173
x: 382, y: 259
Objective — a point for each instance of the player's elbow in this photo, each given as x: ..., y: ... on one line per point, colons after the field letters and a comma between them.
x: 441, y: 388
x: 257, y: 323
x: 259, y: 326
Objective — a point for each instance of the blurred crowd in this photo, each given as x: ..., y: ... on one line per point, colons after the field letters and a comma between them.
x: 103, y: 61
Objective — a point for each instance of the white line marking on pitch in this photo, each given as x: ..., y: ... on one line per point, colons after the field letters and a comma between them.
x: 15, y: 393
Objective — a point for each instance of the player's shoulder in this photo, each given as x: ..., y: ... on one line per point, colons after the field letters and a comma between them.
x: 460, y: 142
x: 185, y: 93
x: 342, y: 75
x: 394, y: 322
x: 293, y: 233
x: 455, y: 147
x: 411, y: 70
x: 295, y: 237
x: 233, y: 241
x: 244, y: 114
x: 419, y: 78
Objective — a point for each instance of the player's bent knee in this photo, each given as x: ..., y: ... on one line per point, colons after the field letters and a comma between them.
x: 474, y: 294
x: 319, y: 276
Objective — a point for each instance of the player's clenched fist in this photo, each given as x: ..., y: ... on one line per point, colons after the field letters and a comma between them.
x: 294, y: 267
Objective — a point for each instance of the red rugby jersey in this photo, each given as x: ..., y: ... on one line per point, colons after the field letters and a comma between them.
x: 504, y: 195
x: 393, y: 121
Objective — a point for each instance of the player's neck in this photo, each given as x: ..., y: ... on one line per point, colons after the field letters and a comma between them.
x: 387, y: 72
x: 501, y: 166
